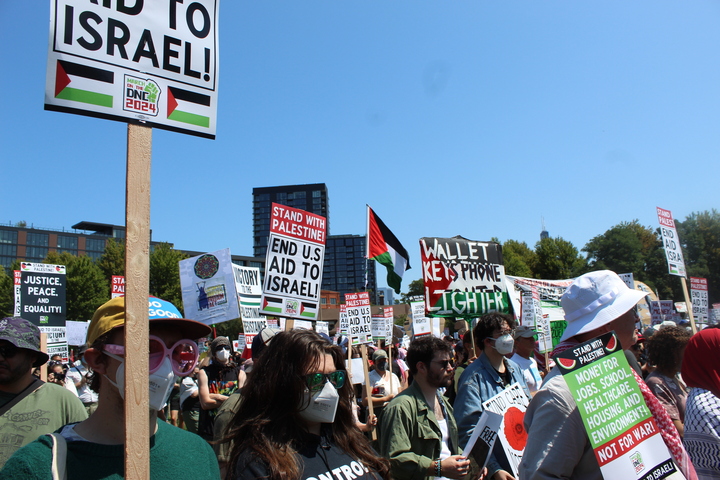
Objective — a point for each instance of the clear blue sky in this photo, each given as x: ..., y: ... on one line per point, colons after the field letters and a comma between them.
x: 471, y: 117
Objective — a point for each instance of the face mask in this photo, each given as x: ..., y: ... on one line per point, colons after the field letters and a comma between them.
x: 223, y: 355
x: 382, y: 365
x: 160, y: 382
x: 321, y: 407
x: 504, y: 344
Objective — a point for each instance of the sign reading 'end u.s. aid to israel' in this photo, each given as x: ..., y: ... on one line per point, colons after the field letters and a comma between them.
x: 148, y: 61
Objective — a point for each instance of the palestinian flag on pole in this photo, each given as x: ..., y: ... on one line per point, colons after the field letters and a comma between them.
x: 384, y: 247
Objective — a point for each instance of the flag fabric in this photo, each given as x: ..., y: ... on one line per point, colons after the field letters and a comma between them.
x: 384, y: 247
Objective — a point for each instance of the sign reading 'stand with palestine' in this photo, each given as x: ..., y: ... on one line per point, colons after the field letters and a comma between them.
x: 699, y: 296
x: 463, y: 278
x: 147, y: 61
x: 622, y: 431
x: 294, y: 264
x: 359, y: 317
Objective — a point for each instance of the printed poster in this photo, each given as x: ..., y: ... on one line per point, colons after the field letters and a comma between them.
x: 117, y: 289
x: 359, y: 318
x: 622, y: 431
x: 208, y: 288
x: 294, y: 264
x: 463, y: 278
x: 42, y: 295
x: 512, y: 404
x: 420, y: 323
x: 699, y: 298
x: 343, y: 325
x: 671, y: 242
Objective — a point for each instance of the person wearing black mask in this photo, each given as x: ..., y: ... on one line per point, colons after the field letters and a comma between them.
x: 385, y: 384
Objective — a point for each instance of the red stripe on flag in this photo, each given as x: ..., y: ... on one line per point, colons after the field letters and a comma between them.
x: 62, y: 79
x: 171, y: 103
x: 376, y: 241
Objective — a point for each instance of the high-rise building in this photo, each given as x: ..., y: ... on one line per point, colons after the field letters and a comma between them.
x: 386, y: 296
x: 312, y: 198
x: 345, y: 266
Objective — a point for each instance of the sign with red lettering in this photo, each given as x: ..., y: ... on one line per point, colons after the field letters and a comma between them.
x: 699, y: 298
x: 294, y: 264
x: 135, y: 61
x: 671, y: 241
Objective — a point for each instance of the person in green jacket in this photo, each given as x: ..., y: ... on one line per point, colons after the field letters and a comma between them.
x: 95, y: 447
x: 419, y: 434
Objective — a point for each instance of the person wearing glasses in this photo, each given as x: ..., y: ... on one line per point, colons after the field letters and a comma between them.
x: 487, y: 376
x: 94, y: 448
x: 28, y: 407
x: 418, y: 432
x: 216, y: 382
x: 295, y: 419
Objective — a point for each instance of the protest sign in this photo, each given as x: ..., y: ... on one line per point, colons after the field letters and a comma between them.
x: 251, y: 328
x: 294, y: 263
x: 76, y: 332
x: 661, y: 310
x: 208, y: 288
x: 548, y: 313
x: 437, y: 324
x: 343, y: 325
x: 322, y: 327
x: 699, y: 296
x: 379, y: 328
x: 249, y: 292
x: 42, y: 294
x: 149, y: 62
x: 681, y: 307
x: 389, y: 316
x: 302, y: 325
x: 511, y: 403
x: 714, y: 317
x: 355, y: 367
x: 628, y: 279
x: 117, y: 289
x: 359, y: 318
x: 622, y: 431
x: 671, y: 242
x: 463, y: 278
x: 483, y: 438
x: 17, y: 280
x: 420, y: 323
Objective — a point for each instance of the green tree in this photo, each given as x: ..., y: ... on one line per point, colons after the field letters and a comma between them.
x: 700, y: 237
x: 86, y: 287
x: 165, y: 274
x: 415, y: 288
x: 557, y: 259
x: 112, y: 261
x: 518, y: 258
x: 7, y: 297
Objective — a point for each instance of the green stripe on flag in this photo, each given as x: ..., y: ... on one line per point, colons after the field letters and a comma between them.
x: 85, y: 96
x: 308, y: 314
x: 191, y: 118
x: 273, y: 309
x: 393, y: 279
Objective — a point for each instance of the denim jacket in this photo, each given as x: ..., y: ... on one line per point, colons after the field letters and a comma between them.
x: 478, y: 383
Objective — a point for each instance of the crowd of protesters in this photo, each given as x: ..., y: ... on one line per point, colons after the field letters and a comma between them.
x: 293, y: 412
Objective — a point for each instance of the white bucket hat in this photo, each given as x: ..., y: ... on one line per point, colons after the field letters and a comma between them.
x: 596, y: 299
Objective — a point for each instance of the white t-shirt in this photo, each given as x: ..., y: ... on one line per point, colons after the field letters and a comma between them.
x: 75, y: 373
x: 391, y: 386
x: 530, y: 372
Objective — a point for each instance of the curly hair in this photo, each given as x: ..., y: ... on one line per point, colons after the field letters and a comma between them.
x: 267, y: 423
x: 487, y: 324
x: 423, y: 349
x: 665, y: 347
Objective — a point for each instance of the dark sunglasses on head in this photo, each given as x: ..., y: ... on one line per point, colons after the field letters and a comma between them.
x: 8, y: 351
x: 316, y: 381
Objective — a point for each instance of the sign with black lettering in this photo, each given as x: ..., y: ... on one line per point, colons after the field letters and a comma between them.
x: 511, y: 403
x: 42, y: 294
x: 135, y: 61
x: 671, y: 242
x: 294, y: 263
x: 359, y: 318
x: 463, y: 278
x: 622, y: 431
x: 699, y: 296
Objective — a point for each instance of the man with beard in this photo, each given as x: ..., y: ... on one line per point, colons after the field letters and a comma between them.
x: 28, y: 407
x: 418, y: 432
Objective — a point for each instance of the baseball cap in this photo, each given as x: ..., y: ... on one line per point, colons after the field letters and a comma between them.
x: 596, y: 299
x: 378, y: 354
x: 524, y: 331
x: 261, y: 340
x: 111, y: 315
x: 23, y: 334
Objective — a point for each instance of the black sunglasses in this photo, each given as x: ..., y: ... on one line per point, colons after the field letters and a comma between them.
x: 8, y: 351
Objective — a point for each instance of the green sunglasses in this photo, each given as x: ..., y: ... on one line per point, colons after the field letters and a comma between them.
x: 316, y: 381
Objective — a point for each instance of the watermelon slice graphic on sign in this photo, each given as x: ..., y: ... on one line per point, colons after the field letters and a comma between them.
x: 566, y: 363
x: 612, y: 344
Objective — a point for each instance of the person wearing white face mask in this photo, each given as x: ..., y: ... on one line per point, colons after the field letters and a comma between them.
x: 295, y: 418
x: 487, y: 376
x: 95, y: 447
x: 216, y: 382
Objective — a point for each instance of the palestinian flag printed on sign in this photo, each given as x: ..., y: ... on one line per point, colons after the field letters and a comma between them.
x: 463, y: 278
x: 386, y: 249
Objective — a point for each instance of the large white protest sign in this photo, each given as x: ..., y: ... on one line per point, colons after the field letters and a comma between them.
x: 671, y: 241
x: 359, y: 318
x: 294, y: 263
x: 150, y: 62
x: 511, y: 403
x: 420, y: 323
x: 208, y: 288
x: 699, y: 296
x: 343, y: 325
x: 322, y: 327
x: 249, y: 292
x: 76, y: 332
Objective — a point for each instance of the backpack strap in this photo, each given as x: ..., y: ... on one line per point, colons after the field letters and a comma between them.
x: 59, y: 456
x: 34, y: 385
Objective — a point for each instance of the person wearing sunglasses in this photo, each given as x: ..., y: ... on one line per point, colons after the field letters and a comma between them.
x: 28, y: 407
x: 295, y: 419
x: 94, y: 447
x: 487, y: 376
x: 216, y: 382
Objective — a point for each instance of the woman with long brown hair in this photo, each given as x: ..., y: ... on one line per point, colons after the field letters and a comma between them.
x: 295, y: 420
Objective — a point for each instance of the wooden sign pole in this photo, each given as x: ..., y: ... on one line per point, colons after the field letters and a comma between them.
x: 43, y: 348
x: 137, y: 285
x: 368, y: 387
